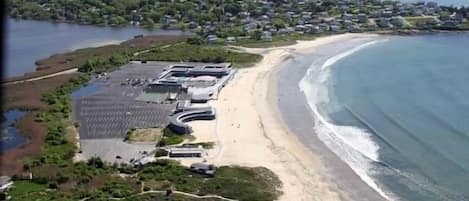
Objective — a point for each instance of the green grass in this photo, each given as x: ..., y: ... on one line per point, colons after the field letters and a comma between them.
x: 205, y: 145
x: 200, y: 53
x: 464, y: 25
x: 416, y: 21
x: 277, y: 41
x: 24, y: 190
x: 251, y: 43
x: 232, y: 182
x: 172, y: 197
x: 170, y: 138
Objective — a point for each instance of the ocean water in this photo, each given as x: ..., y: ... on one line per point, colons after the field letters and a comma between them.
x: 28, y: 41
x: 397, y: 111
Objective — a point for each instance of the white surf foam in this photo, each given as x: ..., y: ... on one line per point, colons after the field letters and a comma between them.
x: 353, y: 145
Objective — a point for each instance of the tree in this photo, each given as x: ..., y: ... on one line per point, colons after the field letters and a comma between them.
x: 278, y: 23
x: 96, y: 162
x: 196, y: 40
x: 257, y: 34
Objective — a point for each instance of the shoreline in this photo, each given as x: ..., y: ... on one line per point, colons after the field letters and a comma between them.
x: 253, y: 132
x: 300, y: 118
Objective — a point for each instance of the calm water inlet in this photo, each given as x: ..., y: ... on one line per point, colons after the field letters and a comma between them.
x: 28, y: 41
x: 10, y: 137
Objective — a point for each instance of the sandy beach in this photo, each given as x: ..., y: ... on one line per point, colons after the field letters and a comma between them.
x: 250, y: 130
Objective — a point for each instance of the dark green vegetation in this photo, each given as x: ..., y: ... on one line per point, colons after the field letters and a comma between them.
x: 173, y: 197
x: 206, y: 145
x: 98, y: 180
x: 170, y: 138
x: 225, y: 19
x: 152, y: 13
x: 161, y: 152
x: 278, y: 40
x: 200, y: 53
x: 231, y: 182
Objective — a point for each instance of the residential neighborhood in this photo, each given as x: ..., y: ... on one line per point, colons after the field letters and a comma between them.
x: 259, y: 20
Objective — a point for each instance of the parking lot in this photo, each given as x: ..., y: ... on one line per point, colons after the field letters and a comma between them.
x: 111, y: 110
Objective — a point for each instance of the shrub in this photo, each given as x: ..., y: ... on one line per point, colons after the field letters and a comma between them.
x: 161, y: 152
x: 196, y: 40
x: 146, y: 188
x: 53, y: 185
x: 170, y: 138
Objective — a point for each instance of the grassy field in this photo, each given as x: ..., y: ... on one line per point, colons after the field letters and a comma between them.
x: 98, y: 180
x: 277, y: 41
x: 464, y: 25
x: 199, y: 53
x: 232, y: 182
x: 24, y: 190
x: 172, y: 138
x: 145, y: 135
x: 172, y: 197
x: 419, y: 21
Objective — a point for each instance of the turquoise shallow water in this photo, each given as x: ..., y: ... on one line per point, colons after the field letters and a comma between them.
x: 410, y: 95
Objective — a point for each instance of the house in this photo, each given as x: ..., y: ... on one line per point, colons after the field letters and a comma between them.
x: 397, y: 21
x: 266, y: 36
x: 354, y: 28
x: 458, y: 17
x: 387, y: 13
x: 264, y: 18
x: 315, y: 29
x: 335, y: 28
x: 203, y: 168
x: 384, y: 22
x: 324, y: 27
x: 299, y: 28
x: 450, y: 24
x: 347, y: 16
x: 362, y: 18
x: 282, y: 31
x: 230, y: 39
x: 212, y: 39
x: 273, y: 31
x: 374, y: 14
x: 193, y: 25
x: 5, y: 183
x: 347, y: 22
x: 328, y: 20
x: 372, y: 25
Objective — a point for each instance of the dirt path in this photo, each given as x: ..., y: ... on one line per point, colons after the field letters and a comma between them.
x: 73, y: 70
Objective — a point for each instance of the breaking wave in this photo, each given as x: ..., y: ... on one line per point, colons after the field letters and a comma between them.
x: 352, y: 144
